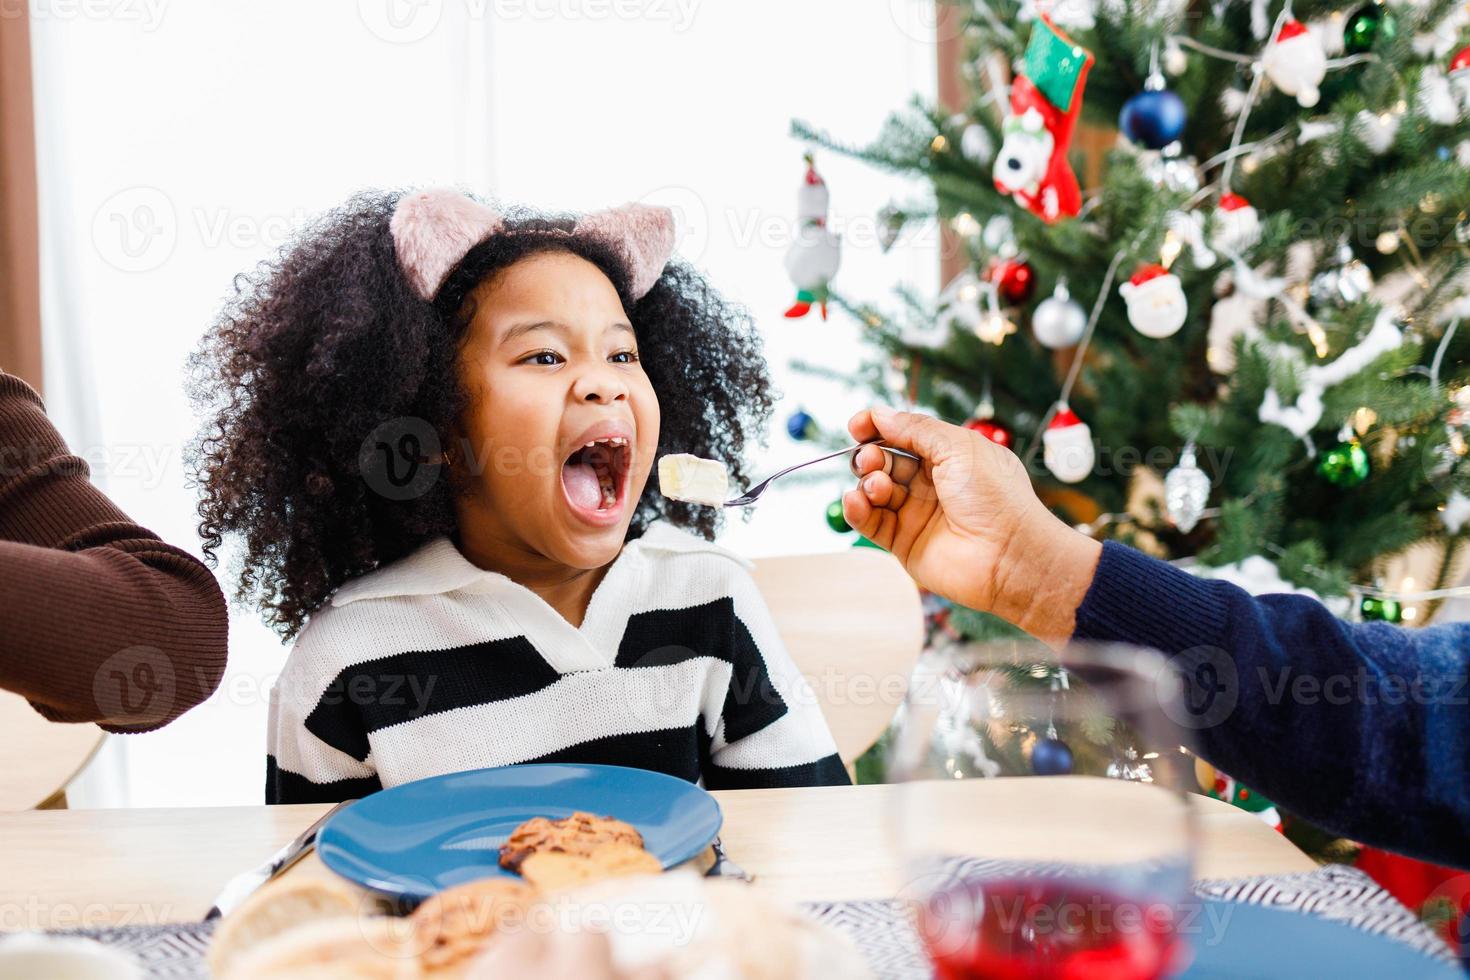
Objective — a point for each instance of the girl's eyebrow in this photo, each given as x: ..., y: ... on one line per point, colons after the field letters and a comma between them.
x: 521, y: 329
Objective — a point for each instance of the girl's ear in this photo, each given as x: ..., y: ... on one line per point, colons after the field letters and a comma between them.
x: 644, y: 233
x: 433, y: 229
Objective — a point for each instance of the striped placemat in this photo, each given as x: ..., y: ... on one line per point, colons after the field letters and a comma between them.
x: 882, y: 933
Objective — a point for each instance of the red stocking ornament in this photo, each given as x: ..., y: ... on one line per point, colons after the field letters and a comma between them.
x: 1046, y: 99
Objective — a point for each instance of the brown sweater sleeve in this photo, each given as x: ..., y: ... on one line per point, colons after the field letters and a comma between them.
x: 100, y: 621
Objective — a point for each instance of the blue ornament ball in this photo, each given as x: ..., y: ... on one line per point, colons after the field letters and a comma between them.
x: 1051, y: 757
x: 1153, y: 119
x: 1443, y: 152
x: 801, y: 426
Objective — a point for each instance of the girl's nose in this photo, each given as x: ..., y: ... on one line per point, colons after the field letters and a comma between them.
x: 599, y: 384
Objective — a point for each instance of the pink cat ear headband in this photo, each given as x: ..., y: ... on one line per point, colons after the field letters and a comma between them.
x: 433, y: 229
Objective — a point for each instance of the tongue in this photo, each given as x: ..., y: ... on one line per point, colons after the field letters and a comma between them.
x: 580, y: 480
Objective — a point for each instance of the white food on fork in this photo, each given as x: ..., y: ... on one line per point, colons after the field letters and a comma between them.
x: 682, y: 476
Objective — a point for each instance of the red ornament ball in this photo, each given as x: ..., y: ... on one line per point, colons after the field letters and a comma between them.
x: 1015, y: 279
x: 1460, y: 61
x: 992, y: 430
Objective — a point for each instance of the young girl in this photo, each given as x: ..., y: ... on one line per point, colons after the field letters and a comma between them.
x: 432, y: 427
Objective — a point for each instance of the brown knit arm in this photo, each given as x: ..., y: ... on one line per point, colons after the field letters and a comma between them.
x: 99, y: 619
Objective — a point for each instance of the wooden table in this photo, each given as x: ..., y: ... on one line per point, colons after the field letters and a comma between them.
x: 75, y: 868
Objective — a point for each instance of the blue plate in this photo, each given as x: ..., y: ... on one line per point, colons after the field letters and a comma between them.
x: 1256, y: 942
x: 419, y: 838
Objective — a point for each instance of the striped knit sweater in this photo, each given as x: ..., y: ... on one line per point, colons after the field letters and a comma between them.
x: 432, y: 665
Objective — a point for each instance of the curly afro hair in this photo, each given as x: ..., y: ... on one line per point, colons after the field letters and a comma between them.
x: 325, y: 348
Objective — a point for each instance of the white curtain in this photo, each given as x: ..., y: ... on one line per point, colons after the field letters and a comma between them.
x: 181, y: 142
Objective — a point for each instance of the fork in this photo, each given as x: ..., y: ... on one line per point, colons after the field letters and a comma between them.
x: 723, y: 866
x: 754, y: 493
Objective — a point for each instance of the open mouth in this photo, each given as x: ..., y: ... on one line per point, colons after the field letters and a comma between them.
x: 595, y: 475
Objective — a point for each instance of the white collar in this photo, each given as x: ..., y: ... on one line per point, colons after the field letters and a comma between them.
x: 437, y: 567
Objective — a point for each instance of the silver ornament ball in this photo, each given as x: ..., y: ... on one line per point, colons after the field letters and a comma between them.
x: 1343, y: 284
x: 976, y: 144
x: 999, y: 235
x: 1059, y: 320
x: 1173, y: 173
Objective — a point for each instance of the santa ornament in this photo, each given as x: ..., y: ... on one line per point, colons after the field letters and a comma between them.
x: 1067, y: 448
x: 813, y: 257
x: 1155, y: 298
x: 1046, y: 98
x: 1237, y: 225
x: 1458, y: 74
x: 1295, y: 63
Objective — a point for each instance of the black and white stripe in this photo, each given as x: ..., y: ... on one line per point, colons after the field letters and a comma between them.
x: 432, y: 665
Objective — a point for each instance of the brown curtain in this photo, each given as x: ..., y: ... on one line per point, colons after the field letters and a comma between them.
x: 20, y: 264
x: 953, y: 98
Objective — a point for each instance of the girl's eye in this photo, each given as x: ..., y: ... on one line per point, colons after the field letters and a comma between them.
x: 545, y: 358
x: 625, y: 357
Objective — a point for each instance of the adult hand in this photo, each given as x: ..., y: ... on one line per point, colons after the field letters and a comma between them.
x: 965, y: 522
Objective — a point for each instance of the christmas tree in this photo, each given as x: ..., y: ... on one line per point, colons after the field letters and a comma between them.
x: 1236, y: 342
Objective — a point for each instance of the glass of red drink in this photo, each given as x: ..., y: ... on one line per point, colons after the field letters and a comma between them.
x: 1043, y: 821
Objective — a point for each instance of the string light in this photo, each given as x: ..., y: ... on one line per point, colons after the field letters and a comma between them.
x: 1318, y: 337
x: 1363, y: 420
x: 965, y: 225
x: 1387, y: 242
x: 938, y: 144
x: 994, y: 328
x: 1173, y: 245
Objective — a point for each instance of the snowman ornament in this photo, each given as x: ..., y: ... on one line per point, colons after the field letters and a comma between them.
x: 1296, y: 63
x: 1156, y: 304
x: 1066, y: 446
x: 815, y: 252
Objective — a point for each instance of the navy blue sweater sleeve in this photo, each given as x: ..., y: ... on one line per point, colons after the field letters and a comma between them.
x: 1363, y: 729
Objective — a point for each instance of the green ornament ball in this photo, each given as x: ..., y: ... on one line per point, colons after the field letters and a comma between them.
x: 1344, y: 465
x: 1382, y: 610
x: 835, y: 520
x: 1366, y: 26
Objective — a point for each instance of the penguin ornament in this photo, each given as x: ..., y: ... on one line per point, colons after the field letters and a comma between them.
x: 815, y: 253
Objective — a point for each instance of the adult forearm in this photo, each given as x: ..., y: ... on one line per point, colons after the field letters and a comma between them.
x: 1363, y: 729
x: 127, y: 631
x: 99, y: 620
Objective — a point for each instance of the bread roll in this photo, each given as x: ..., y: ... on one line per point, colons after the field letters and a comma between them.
x: 277, y: 906
x: 374, y: 947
